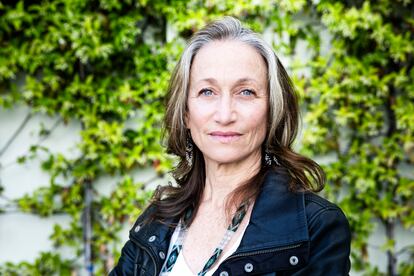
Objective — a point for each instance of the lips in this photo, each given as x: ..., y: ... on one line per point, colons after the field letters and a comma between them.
x: 225, y: 136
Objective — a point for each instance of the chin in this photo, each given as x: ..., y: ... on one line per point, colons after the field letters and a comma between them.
x: 227, y: 158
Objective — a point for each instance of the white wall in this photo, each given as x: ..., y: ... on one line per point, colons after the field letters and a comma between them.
x: 23, y: 236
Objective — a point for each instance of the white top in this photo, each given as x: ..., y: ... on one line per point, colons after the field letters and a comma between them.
x: 181, y: 268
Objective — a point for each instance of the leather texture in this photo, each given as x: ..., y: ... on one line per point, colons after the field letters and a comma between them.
x: 288, y: 234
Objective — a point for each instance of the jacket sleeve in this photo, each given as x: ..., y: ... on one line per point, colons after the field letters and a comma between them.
x: 127, y: 261
x: 330, y: 239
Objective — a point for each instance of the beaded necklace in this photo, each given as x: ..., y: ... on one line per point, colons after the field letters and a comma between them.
x: 182, y: 231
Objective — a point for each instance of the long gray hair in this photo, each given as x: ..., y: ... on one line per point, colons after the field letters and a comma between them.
x: 282, y: 126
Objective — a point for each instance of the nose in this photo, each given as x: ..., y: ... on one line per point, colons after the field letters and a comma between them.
x: 225, y: 112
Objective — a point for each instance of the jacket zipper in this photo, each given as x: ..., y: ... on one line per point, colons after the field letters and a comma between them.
x: 149, y: 253
x: 263, y: 251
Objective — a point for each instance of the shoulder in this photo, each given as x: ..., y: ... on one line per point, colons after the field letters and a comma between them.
x: 317, y: 207
x: 146, y: 214
x: 329, y: 237
x: 146, y: 239
x: 326, y: 222
x: 145, y: 226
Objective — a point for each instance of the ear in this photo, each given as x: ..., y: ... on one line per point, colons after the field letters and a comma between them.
x: 186, y: 119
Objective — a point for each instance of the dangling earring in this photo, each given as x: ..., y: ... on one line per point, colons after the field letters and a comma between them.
x: 189, y: 152
x: 270, y: 159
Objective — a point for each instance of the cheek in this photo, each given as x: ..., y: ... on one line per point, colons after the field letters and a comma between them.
x: 260, y: 129
x: 257, y: 115
x: 197, y: 115
x: 259, y: 126
x: 193, y: 121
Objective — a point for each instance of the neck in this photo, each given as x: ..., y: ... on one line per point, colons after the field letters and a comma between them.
x: 224, y: 178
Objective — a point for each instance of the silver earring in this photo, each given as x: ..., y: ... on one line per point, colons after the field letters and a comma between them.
x: 270, y: 159
x: 189, y: 152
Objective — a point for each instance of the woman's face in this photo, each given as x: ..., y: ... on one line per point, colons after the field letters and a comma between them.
x: 228, y: 101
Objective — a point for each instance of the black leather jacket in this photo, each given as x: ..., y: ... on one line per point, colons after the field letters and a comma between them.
x: 288, y: 234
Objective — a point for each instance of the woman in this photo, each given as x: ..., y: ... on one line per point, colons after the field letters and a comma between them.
x: 244, y: 201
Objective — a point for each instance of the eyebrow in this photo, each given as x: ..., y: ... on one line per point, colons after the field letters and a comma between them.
x: 239, y: 81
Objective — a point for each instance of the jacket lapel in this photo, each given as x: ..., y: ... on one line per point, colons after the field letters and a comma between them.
x: 278, y: 218
x: 277, y: 237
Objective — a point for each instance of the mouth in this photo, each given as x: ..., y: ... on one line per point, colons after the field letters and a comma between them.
x: 225, y: 136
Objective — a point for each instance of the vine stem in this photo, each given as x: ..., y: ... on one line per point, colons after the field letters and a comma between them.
x: 392, y: 258
x: 39, y: 142
x: 87, y: 211
x: 390, y: 223
x: 87, y: 227
x: 16, y: 133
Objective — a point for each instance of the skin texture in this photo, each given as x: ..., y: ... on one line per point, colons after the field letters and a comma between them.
x: 227, y: 118
x: 228, y: 93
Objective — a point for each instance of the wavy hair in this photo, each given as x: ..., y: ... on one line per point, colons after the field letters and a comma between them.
x: 282, y: 127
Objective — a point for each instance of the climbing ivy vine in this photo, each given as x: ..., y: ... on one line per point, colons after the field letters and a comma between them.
x: 106, y: 64
x: 360, y: 103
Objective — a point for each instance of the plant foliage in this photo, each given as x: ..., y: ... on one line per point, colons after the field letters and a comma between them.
x: 106, y: 65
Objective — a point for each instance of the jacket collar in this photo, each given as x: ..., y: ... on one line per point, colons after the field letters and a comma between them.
x: 278, y: 218
x: 154, y: 234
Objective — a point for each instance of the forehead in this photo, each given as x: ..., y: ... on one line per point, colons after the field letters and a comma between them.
x: 228, y: 60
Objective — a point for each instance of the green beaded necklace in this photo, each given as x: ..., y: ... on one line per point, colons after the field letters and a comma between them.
x: 182, y: 230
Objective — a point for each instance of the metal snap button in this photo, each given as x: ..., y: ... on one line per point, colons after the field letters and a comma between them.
x: 162, y: 255
x: 152, y: 238
x: 248, y: 267
x: 137, y: 228
x: 224, y: 273
x: 293, y: 260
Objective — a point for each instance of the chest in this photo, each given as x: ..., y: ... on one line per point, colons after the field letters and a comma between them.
x: 205, y: 235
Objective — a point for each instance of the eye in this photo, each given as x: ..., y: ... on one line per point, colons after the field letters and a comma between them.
x: 247, y: 92
x: 206, y: 92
